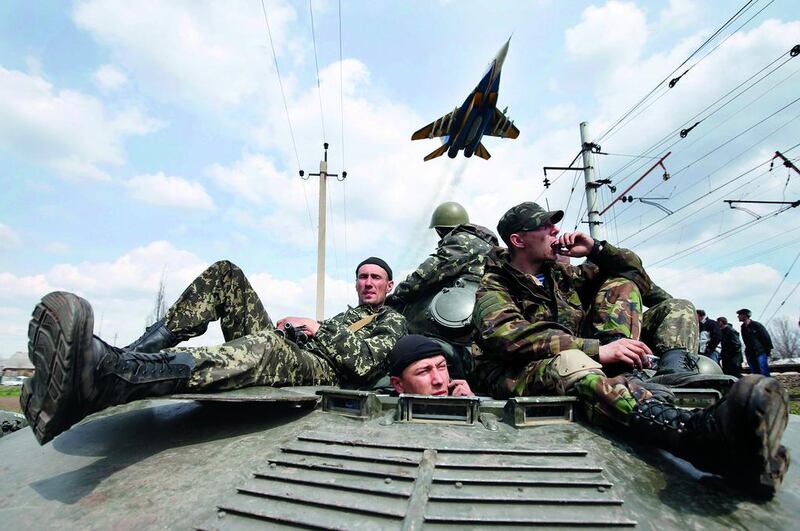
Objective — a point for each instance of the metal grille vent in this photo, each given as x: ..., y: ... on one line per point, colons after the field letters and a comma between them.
x: 323, y: 482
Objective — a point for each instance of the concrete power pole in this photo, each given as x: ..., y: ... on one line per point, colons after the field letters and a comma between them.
x: 323, y: 195
x: 595, y: 231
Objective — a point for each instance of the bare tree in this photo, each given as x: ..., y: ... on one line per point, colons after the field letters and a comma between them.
x: 785, y: 338
x: 160, y: 305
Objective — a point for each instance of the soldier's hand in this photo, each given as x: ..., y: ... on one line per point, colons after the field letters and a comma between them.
x: 628, y: 351
x: 577, y: 244
x: 310, y: 326
x: 459, y: 388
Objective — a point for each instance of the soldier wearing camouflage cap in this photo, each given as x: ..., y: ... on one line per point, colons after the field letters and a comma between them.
x: 78, y: 374
x: 536, y: 338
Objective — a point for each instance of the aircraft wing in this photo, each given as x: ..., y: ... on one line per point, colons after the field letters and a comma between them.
x: 502, y: 126
x: 439, y: 127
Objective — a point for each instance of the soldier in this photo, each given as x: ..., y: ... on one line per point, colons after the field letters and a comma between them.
x: 461, y: 251
x: 417, y: 365
x: 757, y: 343
x: 529, y: 315
x: 731, y: 353
x: 458, y: 261
x: 78, y: 374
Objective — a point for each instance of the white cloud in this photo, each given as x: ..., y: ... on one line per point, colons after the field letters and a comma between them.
x: 679, y: 14
x: 57, y: 247
x: 203, y: 52
x: 122, y: 292
x: 254, y: 178
x: 166, y: 190
x: 615, y: 32
x: 39, y: 122
x: 110, y: 77
x: 8, y: 238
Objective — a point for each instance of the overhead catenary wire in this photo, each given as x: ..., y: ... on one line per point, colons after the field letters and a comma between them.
x: 711, y: 173
x: 665, y: 89
x: 687, y: 205
x: 703, y: 115
x: 771, y: 317
x: 286, y: 108
x: 633, y: 108
x: 780, y: 284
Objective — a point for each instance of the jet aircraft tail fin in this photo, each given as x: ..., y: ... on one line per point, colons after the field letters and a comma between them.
x: 482, y: 152
x: 437, y: 153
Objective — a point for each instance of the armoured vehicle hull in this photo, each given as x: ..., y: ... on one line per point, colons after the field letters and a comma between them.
x: 270, y: 458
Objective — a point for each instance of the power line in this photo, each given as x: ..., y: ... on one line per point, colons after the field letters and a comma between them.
x: 286, y: 108
x: 716, y: 170
x: 719, y: 237
x: 782, y: 303
x: 710, y: 114
x: 641, y: 101
x: 780, y: 284
x: 341, y: 113
x: 316, y: 63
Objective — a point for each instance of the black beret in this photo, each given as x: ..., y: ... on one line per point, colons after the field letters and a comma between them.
x: 374, y: 260
x: 409, y: 349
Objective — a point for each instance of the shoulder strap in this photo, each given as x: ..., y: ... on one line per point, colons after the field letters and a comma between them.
x: 361, y: 323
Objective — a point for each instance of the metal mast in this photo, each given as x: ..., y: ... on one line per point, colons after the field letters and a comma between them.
x: 591, y: 187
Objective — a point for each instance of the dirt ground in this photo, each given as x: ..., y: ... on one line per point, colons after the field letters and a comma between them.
x: 9, y: 403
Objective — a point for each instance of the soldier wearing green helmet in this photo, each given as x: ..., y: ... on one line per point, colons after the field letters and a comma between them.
x: 451, y: 273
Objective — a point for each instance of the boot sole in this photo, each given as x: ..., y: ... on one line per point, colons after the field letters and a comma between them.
x: 59, y: 331
x: 769, y: 403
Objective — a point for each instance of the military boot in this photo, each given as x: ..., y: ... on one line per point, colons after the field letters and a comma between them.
x: 156, y: 337
x: 678, y: 368
x: 77, y: 373
x: 738, y: 437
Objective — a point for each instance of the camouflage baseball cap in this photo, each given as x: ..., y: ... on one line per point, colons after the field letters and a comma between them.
x: 524, y: 217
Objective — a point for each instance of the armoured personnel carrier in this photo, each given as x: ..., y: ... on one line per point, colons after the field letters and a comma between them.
x: 321, y: 458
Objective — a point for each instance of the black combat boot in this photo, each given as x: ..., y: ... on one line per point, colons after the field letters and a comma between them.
x: 156, y: 337
x: 77, y: 374
x: 678, y: 368
x: 738, y: 437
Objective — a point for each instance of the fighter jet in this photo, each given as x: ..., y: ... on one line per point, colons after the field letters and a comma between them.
x: 478, y: 115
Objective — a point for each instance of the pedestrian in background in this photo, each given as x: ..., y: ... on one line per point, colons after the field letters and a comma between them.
x: 757, y: 343
x: 731, y: 348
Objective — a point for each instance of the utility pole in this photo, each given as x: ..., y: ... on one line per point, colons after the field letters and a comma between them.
x: 323, y: 175
x: 591, y: 187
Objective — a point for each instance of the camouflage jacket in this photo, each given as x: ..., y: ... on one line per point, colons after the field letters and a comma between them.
x: 520, y: 321
x: 462, y: 251
x: 360, y: 356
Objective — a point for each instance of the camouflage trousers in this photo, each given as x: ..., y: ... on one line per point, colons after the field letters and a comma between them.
x: 253, y: 354
x: 604, y: 400
x: 617, y: 312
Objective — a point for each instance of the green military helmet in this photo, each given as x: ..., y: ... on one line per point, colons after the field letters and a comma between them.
x: 449, y: 214
x: 706, y: 365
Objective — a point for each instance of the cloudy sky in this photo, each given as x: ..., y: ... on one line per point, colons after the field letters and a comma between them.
x: 141, y: 140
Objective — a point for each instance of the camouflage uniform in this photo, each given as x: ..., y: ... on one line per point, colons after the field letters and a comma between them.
x: 462, y: 251
x: 524, y: 326
x: 340, y: 353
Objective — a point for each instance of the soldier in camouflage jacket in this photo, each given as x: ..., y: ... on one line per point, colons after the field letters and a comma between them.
x: 532, y: 325
x: 78, y: 373
x: 461, y: 251
x: 524, y: 319
x: 349, y: 349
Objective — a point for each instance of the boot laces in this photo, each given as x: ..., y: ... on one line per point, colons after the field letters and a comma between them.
x: 660, y: 414
x: 140, y: 364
